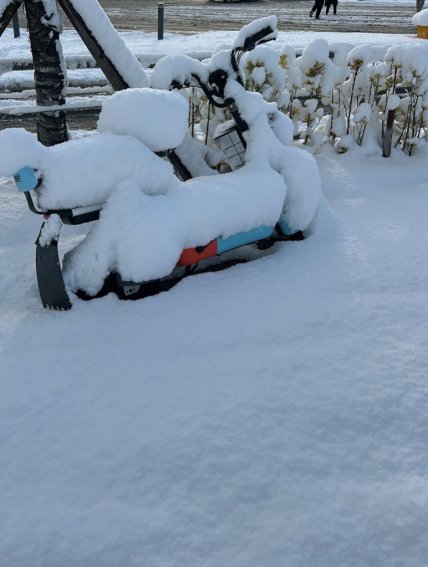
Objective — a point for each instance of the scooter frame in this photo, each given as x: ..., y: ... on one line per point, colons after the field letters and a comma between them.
x: 192, y: 261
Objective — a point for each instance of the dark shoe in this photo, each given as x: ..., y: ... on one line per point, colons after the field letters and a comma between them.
x: 310, y: 14
x: 317, y: 18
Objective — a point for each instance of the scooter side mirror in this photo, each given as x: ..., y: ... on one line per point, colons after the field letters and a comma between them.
x: 258, y: 31
x: 263, y: 35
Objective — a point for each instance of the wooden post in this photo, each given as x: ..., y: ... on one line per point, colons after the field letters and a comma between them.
x: 49, y: 71
x: 161, y: 12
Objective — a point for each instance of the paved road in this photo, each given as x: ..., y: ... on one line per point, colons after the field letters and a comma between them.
x: 190, y: 16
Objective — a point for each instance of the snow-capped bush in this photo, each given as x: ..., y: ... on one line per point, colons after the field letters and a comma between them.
x: 263, y: 72
x: 335, y: 93
x: 355, y: 89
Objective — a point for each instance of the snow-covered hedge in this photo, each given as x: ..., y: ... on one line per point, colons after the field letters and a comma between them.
x: 338, y: 95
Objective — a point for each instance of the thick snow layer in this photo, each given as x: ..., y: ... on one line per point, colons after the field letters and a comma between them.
x: 18, y: 149
x: 143, y: 236
x: 84, y: 171
x: 111, y: 42
x: 421, y: 18
x: 273, y: 414
x: 156, y: 118
x: 127, y: 237
x: 254, y: 28
x: 299, y: 171
x: 178, y: 68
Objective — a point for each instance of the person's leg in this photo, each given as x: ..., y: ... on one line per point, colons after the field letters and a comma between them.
x: 327, y: 8
x: 314, y: 7
x: 334, y: 7
x: 319, y: 6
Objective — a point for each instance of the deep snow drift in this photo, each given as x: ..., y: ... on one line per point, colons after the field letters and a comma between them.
x: 272, y: 415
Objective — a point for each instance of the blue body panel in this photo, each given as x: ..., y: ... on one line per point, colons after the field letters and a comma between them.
x: 242, y: 238
x: 26, y: 179
x: 285, y: 229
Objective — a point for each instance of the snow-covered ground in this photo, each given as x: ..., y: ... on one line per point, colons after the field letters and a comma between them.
x: 148, y: 50
x: 146, y: 46
x: 273, y: 414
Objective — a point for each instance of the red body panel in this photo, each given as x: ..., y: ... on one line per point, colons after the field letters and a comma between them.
x: 191, y: 256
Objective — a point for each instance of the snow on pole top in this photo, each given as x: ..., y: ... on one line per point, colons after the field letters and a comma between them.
x: 111, y: 42
x: 420, y: 18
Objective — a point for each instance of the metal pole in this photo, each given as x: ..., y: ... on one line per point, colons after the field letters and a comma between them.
x: 161, y: 6
x: 15, y: 21
x: 387, y: 136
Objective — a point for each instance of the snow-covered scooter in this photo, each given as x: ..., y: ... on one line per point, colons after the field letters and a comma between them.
x: 157, y: 222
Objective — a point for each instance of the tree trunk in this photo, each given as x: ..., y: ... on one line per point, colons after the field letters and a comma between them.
x: 8, y: 13
x: 49, y: 71
x: 419, y: 5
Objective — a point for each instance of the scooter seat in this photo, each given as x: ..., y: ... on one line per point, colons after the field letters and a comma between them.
x: 155, y: 117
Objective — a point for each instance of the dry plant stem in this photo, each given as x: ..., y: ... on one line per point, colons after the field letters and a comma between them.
x: 351, y: 100
x: 208, y: 123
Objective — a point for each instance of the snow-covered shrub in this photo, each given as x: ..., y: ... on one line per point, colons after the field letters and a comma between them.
x: 317, y: 69
x: 334, y: 93
x: 375, y: 82
x: 263, y: 72
x: 409, y: 74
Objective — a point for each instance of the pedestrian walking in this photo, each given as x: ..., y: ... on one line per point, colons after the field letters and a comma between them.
x: 328, y: 4
x: 316, y: 9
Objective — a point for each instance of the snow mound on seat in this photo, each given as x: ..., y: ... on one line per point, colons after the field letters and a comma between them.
x: 156, y: 118
x: 85, y: 171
